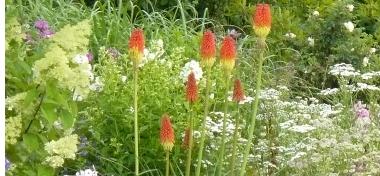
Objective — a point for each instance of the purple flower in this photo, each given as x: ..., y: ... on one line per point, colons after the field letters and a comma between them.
x: 90, y: 56
x: 7, y: 164
x: 46, y: 33
x: 41, y: 25
x: 43, y: 28
x: 360, y: 110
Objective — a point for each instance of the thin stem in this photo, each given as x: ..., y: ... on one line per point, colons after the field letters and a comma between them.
x: 223, y: 145
x: 234, y: 147
x: 255, y: 107
x: 188, y: 162
x: 167, y: 163
x: 203, y: 127
x: 135, y: 98
x: 183, y: 16
x: 42, y: 97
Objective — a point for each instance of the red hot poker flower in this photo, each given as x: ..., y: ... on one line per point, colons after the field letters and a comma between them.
x: 238, y: 93
x: 136, y: 45
x: 228, y: 54
x: 262, y: 20
x: 208, y: 48
x: 191, y: 88
x: 166, y: 133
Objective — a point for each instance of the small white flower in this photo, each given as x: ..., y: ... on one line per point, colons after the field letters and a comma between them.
x: 350, y: 7
x: 344, y: 70
x: 290, y: 35
x: 349, y: 26
x: 301, y: 128
x: 315, y: 13
x: 192, y: 66
x: 97, y: 85
x: 212, y: 96
x: 352, y: 49
x: 123, y: 78
x: 329, y: 91
x: 311, y: 41
x: 372, y: 50
x: 80, y: 59
x: 365, y: 61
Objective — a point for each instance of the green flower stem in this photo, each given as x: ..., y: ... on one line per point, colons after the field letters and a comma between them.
x: 234, y: 146
x: 188, y: 162
x: 223, y: 145
x: 255, y: 107
x: 135, y: 98
x: 167, y: 163
x: 203, y: 127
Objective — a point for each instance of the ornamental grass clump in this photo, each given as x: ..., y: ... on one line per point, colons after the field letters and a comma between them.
x: 262, y: 21
x: 191, y: 97
x: 167, y: 139
x: 136, y: 52
x: 208, y: 54
x: 227, y: 60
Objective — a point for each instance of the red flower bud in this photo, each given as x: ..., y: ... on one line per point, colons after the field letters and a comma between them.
x: 166, y: 133
x: 238, y: 93
x: 191, y: 88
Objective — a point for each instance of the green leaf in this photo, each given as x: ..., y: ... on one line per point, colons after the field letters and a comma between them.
x: 48, y: 112
x: 45, y: 171
x: 67, y: 119
x: 30, y: 96
x: 31, y: 141
x: 54, y: 94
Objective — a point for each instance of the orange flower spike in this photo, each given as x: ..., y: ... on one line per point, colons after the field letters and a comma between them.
x: 191, y: 88
x: 166, y: 133
x: 238, y: 93
x: 136, y: 45
x: 228, y: 54
x: 208, y: 49
x: 262, y: 20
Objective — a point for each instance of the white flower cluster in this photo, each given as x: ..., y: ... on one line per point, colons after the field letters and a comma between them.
x: 350, y: 7
x: 290, y: 35
x: 329, y: 91
x: 156, y: 51
x: 87, y: 172
x: 370, y: 75
x: 63, y: 148
x: 343, y: 70
x: 310, y: 40
x: 192, y: 66
x: 349, y: 26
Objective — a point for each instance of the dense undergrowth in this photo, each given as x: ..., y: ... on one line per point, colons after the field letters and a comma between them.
x: 70, y: 89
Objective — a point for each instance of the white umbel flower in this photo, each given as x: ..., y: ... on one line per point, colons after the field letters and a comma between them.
x: 372, y: 50
x: 87, y: 172
x: 349, y: 26
x: 310, y: 40
x: 365, y: 61
x: 315, y: 13
x: 350, y: 7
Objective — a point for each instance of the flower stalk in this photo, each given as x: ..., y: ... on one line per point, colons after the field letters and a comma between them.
x: 254, y: 114
x: 191, y: 97
x: 223, y: 145
x: 203, y: 127
x: 207, y: 52
x: 227, y: 60
x: 136, y: 48
x: 167, y: 163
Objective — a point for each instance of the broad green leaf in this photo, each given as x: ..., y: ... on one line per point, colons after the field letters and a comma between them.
x: 67, y: 119
x: 31, y: 95
x: 48, y: 112
x: 45, y: 171
x: 31, y: 141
